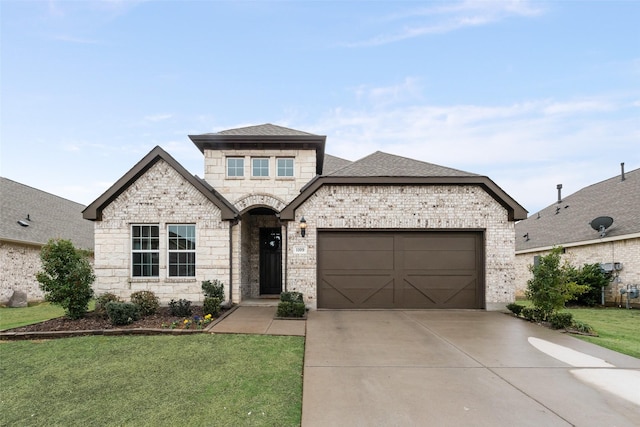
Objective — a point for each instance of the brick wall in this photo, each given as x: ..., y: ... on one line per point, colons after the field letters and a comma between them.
x: 625, y: 251
x: 160, y: 196
x: 20, y: 263
x: 405, y: 207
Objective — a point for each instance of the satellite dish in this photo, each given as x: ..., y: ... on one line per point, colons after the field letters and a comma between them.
x: 601, y: 224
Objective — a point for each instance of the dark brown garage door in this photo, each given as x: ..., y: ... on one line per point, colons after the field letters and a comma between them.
x: 422, y: 269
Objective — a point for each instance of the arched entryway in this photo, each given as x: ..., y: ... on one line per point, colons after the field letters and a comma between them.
x: 262, y: 249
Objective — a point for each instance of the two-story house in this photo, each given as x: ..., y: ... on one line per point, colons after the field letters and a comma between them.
x: 274, y: 212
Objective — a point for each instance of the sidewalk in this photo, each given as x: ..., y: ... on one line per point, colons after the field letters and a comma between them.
x: 258, y: 320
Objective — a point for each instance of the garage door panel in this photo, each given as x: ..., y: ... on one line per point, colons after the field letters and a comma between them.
x: 379, y: 269
x: 366, y: 259
x: 440, y: 260
x: 356, y: 291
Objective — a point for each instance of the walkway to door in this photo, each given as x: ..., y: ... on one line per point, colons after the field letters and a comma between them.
x: 457, y: 367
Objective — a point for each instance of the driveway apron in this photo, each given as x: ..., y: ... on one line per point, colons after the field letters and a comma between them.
x: 459, y: 367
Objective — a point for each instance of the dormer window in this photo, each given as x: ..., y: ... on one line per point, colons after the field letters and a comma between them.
x: 260, y: 167
x: 235, y: 166
x: 285, y: 167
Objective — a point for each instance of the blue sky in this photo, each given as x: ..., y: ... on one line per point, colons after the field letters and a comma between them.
x: 531, y: 94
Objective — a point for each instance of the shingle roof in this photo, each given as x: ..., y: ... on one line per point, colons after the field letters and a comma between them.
x: 381, y: 164
x: 50, y: 216
x: 263, y: 130
x: 333, y: 163
x: 613, y: 197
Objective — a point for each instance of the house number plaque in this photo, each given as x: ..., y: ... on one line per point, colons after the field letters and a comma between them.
x: 299, y: 249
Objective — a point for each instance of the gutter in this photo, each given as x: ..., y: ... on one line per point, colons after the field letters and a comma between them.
x: 581, y: 243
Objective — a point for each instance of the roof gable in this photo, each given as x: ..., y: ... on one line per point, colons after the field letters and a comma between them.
x: 568, y: 221
x: 94, y: 210
x: 48, y: 216
x: 383, y: 164
x: 262, y: 137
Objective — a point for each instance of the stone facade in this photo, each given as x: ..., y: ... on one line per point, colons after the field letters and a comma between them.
x: 278, y: 190
x: 624, y: 251
x: 405, y: 207
x: 20, y: 263
x: 160, y: 196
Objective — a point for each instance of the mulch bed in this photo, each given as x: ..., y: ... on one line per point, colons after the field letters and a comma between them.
x: 94, y: 321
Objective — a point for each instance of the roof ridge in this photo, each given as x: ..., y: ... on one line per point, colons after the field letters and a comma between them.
x: 41, y: 191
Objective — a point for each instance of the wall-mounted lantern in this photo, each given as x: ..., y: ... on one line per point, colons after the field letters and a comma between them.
x: 303, y: 226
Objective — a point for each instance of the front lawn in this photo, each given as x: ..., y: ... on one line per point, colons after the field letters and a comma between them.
x: 153, y: 380
x: 21, y: 316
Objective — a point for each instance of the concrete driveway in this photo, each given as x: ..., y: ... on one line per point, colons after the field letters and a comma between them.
x: 454, y: 368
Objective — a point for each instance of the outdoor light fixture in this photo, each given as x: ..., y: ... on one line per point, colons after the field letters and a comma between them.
x: 303, y: 226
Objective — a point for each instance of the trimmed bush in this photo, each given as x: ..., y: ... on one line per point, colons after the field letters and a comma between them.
x: 213, y: 289
x: 103, y: 300
x: 290, y: 309
x: 146, y: 301
x: 595, y: 278
x: 560, y: 320
x: 180, y: 308
x: 291, y: 296
x: 533, y: 314
x: 122, y: 313
x: 515, y: 308
x: 211, y: 306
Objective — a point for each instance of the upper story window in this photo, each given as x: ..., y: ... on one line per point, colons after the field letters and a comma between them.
x: 285, y: 167
x: 235, y: 166
x: 260, y: 167
x: 182, y: 250
x: 145, y: 250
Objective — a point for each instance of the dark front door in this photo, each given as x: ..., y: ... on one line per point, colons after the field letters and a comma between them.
x: 270, y: 261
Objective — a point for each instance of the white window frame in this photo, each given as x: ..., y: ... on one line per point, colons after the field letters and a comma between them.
x: 286, y: 168
x: 189, y: 250
x: 236, y: 168
x: 146, y: 251
x: 260, y: 167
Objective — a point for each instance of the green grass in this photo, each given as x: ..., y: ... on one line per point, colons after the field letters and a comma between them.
x: 38, y: 312
x: 617, y: 328
x: 213, y: 380
x: 16, y: 317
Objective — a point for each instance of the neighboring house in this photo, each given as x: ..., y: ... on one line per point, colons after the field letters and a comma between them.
x: 567, y: 223
x: 275, y: 213
x: 28, y: 219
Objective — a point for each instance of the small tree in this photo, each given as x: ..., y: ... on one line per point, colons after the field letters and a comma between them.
x: 66, y: 277
x: 551, y: 286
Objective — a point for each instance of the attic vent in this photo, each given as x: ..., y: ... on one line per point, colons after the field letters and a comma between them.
x: 23, y: 223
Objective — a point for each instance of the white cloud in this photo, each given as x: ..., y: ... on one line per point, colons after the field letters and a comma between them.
x: 157, y: 117
x: 449, y: 17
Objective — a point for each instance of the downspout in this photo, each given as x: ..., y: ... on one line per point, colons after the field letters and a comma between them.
x: 231, y: 224
x: 286, y: 256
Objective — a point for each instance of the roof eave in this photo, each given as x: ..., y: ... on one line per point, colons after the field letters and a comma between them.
x: 93, y: 212
x: 515, y: 210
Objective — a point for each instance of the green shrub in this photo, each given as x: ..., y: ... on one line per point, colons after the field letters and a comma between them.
x: 532, y: 314
x: 213, y: 289
x: 583, y: 327
x: 180, y: 308
x: 290, y: 309
x: 551, y: 287
x: 103, y: 300
x: 146, y: 301
x: 122, y: 313
x: 66, y: 277
x: 515, y: 308
x: 560, y: 320
x: 594, y: 278
x: 211, y: 306
x: 291, y: 296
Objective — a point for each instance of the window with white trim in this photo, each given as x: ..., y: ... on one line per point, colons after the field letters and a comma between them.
x: 145, y: 250
x: 235, y: 166
x: 182, y: 250
x: 285, y: 167
x: 260, y: 167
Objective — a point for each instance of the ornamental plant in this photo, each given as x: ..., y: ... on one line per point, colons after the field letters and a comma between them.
x: 146, y: 301
x: 66, y: 277
x: 551, y: 286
